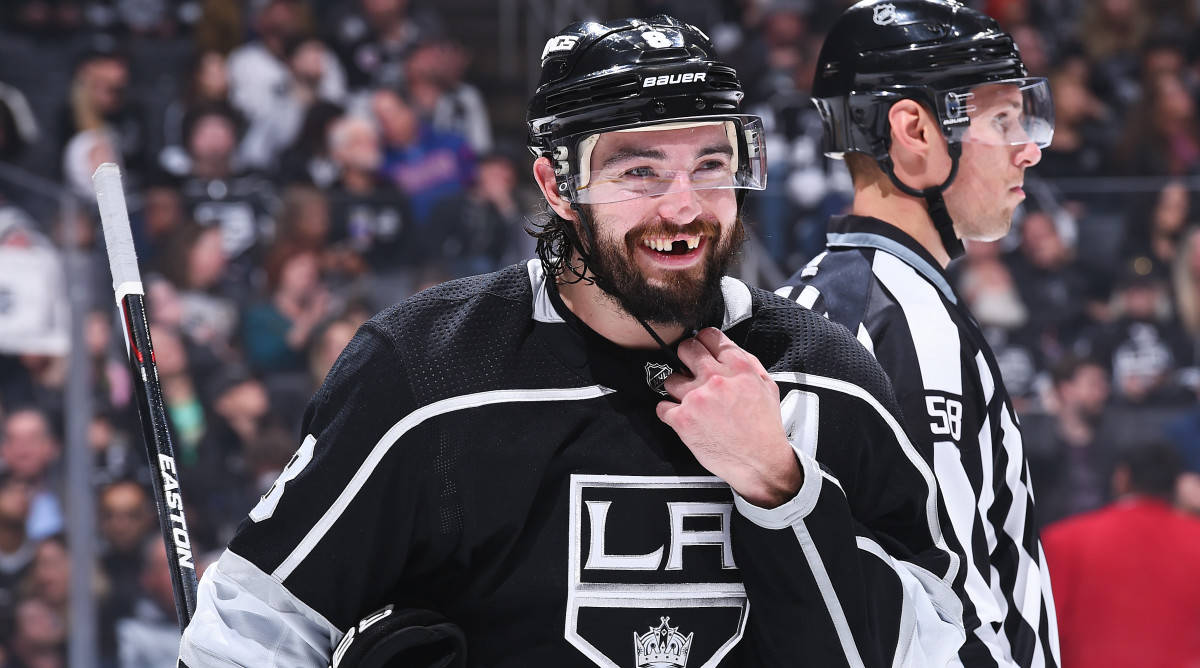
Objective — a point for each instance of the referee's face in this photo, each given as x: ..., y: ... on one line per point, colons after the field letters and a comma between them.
x: 991, y: 172
x: 665, y: 253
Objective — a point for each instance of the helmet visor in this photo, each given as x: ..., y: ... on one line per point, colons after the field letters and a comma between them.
x: 1002, y: 113
x: 702, y: 153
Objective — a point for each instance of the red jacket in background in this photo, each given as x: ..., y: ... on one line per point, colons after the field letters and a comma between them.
x: 1126, y: 583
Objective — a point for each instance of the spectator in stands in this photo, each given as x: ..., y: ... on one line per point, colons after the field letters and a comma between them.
x: 435, y: 85
x: 1162, y: 134
x: 219, y: 484
x: 1111, y: 32
x: 18, y: 125
x: 1052, y: 284
x: 86, y: 151
x: 368, y: 212
x: 987, y: 285
x: 195, y: 261
x: 218, y: 193
x: 1156, y: 240
x: 127, y: 520
x: 185, y: 411
x: 1144, y: 345
x: 277, y: 75
x: 1186, y: 435
x: 149, y: 636
x: 426, y: 164
x: 1125, y: 586
x: 110, y: 374
x: 1082, y: 126
x: 300, y: 116
x: 276, y: 333
x: 40, y: 635
x: 1072, y: 460
x: 326, y: 345
x: 16, y: 549
x: 1185, y: 283
x: 476, y: 233
x: 375, y: 38
x: 307, y: 161
x: 208, y: 86
x: 1034, y: 51
x: 99, y: 100
x: 50, y: 577
x: 304, y: 221
x: 162, y: 213
x: 29, y: 451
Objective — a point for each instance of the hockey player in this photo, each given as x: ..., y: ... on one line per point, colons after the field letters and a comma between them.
x: 930, y: 105
x: 612, y: 455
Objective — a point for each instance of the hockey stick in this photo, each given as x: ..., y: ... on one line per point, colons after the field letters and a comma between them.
x: 127, y: 285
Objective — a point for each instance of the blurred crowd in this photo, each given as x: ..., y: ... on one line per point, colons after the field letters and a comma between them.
x: 293, y: 166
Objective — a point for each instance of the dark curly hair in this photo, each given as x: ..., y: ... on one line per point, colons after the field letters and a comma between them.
x: 556, y: 239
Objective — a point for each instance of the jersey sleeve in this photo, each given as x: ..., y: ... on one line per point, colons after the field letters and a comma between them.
x: 857, y: 554
x: 340, y: 531
x: 854, y: 569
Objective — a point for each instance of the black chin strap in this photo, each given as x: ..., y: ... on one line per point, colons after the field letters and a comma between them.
x: 605, y: 285
x: 934, y: 201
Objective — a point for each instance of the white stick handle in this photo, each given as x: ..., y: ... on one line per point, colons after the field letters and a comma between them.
x: 114, y: 216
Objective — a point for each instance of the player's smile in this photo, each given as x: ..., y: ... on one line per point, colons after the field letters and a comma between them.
x: 678, y: 252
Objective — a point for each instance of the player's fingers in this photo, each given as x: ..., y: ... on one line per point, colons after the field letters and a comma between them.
x: 718, y: 345
x: 666, y: 411
x: 697, y: 357
x: 679, y: 384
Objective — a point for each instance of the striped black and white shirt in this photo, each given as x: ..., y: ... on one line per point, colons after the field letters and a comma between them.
x: 895, y: 298
x: 478, y: 451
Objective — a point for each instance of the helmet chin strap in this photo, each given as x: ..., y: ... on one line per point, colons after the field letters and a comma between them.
x: 607, y: 286
x: 934, y: 201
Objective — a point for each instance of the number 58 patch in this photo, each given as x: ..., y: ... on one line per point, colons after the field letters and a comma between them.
x: 946, y: 415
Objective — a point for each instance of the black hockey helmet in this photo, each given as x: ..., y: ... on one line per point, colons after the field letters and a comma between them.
x: 936, y: 52
x: 631, y: 74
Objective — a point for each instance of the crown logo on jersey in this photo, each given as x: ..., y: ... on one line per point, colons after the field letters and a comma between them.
x: 656, y: 376
x: 663, y: 647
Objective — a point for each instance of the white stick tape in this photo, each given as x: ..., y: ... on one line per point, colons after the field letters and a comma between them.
x: 114, y: 216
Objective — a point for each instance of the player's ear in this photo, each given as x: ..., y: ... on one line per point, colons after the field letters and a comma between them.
x: 543, y: 174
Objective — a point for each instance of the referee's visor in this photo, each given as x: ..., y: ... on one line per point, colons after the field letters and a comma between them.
x: 648, y: 160
x: 1011, y: 112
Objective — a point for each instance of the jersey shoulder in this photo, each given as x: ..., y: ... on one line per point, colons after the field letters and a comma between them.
x: 838, y: 283
x: 790, y: 338
x: 461, y: 336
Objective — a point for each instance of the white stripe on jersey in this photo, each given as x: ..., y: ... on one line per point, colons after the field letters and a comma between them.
x: 836, y: 614
x: 935, y: 530
x: 407, y: 423
x: 934, y: 335
x: 808, y: 296
x: 864, y: 337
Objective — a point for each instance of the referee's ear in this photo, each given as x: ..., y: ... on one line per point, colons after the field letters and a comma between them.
x: 543, y: 173
x: 402, y: 638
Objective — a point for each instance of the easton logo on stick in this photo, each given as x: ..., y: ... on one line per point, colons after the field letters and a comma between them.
x: 179, y: 533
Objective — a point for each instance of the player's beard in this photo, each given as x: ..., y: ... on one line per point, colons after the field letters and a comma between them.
x: 684, y: 298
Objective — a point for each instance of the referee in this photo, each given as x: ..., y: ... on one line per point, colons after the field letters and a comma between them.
x: 932, y: 109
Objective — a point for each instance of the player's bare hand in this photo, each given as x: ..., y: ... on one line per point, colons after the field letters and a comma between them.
x: 728, y: 415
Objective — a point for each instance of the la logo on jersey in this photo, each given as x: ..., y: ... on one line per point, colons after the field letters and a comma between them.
x: 651, y: 558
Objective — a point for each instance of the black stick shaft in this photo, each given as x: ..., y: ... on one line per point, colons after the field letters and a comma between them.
x: 161, y: 455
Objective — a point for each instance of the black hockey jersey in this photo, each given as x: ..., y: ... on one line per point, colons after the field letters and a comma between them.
x: 478, y: 451
x: 882, y: 285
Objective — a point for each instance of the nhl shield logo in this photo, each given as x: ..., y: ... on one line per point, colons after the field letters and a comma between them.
x: 656, y: 375
x: 884, y: 14
x: 652, y: 557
